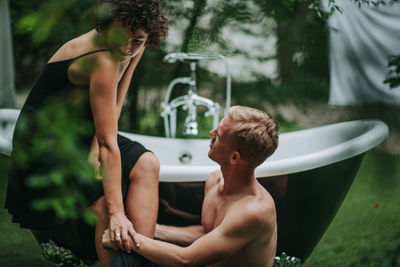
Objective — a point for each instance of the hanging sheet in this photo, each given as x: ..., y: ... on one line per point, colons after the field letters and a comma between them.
x: 361, y: 40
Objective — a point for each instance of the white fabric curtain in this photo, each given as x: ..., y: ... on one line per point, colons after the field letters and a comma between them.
x: 361, y: 40
x: 7, y: 93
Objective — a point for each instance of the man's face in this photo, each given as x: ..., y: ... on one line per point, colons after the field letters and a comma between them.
x: 221, y: 144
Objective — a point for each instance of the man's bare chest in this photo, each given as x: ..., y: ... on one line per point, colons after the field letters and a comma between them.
x: 214, y: 211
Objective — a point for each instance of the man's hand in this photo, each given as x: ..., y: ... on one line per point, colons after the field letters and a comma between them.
x: 106, y: 241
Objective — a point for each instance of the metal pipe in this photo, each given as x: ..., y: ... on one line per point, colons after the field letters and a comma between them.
x: 190, y: 101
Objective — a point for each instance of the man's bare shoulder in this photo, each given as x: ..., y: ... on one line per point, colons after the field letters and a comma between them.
x: 256, y: 212
x: 212, y: 180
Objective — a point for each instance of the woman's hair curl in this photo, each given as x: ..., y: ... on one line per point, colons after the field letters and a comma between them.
x: 134, y: 14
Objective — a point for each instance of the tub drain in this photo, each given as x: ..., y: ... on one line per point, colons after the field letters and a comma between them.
x: 185, y: 157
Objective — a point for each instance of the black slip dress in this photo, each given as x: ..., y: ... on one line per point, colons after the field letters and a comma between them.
x: 56, y: 119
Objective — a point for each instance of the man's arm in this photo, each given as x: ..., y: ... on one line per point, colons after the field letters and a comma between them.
x: 182, y: 236
x: 234, y: 233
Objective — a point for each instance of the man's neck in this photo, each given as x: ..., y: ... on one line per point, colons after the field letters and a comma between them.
x: 238, y: 180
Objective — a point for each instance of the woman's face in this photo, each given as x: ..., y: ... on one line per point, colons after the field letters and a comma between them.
x: 135, y: 43
x: 126, y: 42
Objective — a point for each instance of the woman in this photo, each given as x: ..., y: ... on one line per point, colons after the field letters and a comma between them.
x: 88, y: 78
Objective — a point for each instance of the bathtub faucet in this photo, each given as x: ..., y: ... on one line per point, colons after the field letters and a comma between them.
x: 191, y: 100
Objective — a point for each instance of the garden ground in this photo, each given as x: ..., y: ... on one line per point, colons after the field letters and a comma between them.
x: 365, y: 232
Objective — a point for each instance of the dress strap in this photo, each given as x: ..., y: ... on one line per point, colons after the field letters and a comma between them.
x: 101, y: 50
x: 91, y: 52
x: 122, y: 77
x: 68, y: 61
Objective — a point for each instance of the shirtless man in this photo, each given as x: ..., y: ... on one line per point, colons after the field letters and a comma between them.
x: 238, y: 215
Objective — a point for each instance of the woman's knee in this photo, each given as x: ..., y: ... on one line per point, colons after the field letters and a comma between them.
x: 99, y: 206
x: 147, y: 167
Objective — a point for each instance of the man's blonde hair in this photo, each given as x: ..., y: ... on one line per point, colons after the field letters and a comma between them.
x: 254, y: 133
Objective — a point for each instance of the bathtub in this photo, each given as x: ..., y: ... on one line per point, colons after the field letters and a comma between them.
x: 8, y: 118
x: 308, y: 176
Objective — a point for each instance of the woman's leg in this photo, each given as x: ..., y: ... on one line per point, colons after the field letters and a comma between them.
x: 142, y: 200
x: 141, y: 204
x: 102, y: 223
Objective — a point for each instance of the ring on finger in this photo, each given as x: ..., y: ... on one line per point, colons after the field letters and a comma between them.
x: 117, y: 235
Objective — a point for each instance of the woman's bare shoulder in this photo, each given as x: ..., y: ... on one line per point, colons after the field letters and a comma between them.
x: 75, y: 48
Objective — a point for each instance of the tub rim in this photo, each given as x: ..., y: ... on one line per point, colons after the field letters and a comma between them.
x: 376, y: 131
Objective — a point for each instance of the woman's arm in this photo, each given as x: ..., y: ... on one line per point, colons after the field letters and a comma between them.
x: 94, y: 156
x: 121, y: 94
x: 125, y: 82
x: 103, y: 87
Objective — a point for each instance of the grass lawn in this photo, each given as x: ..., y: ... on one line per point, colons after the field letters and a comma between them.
x: 365, y: 231
x: 17, y: 246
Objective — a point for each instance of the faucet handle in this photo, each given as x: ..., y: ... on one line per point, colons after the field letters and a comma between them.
x: 190, y: 128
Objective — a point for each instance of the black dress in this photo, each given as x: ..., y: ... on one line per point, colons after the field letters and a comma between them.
x: 54, y: 130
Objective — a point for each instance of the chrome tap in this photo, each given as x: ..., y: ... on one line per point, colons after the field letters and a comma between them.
x: 192, y: 100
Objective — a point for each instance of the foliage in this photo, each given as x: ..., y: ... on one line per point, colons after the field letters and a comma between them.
x: 151, y: 124
x: 286, y: 261
x: 302, y: 88
x: 63, y: 172
x: 199, y: 25
x: 60, y: 256
x: 283, y: 9
x: 200, y: 22
x: 393, y: 77
x: 3, y: 178
x: 39, y: 28
x: 50, y: 17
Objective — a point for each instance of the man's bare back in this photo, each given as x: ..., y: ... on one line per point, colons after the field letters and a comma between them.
x: 216, y: 207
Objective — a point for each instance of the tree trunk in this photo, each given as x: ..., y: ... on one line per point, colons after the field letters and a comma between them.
x: 289, y: 33
x: 198, y: 9
x: 182, y: 68
x: 7, y: 90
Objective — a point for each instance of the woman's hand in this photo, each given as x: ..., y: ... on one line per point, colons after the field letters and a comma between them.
x: 122, y: 232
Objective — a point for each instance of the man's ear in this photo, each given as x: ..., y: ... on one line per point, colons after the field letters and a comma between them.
x: 235, y: 159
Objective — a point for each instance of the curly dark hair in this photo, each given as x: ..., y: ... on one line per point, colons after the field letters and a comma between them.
x: 135, y: 14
